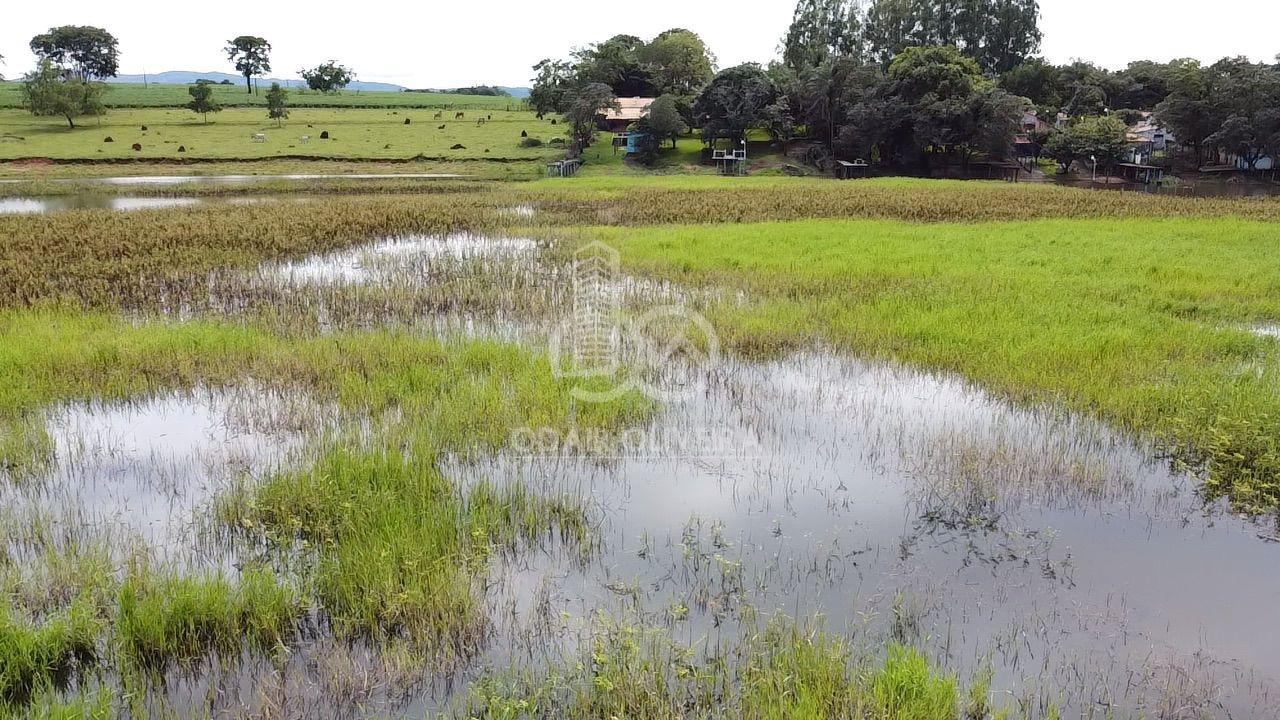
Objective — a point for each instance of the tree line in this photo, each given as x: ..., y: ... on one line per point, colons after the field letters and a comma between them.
x: 907, y: 82
x: 72, y: 60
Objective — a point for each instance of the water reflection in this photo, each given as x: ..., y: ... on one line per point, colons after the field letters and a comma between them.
x: 57, y: 203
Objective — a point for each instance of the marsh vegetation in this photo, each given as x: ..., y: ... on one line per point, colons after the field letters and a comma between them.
x: 973, y: 449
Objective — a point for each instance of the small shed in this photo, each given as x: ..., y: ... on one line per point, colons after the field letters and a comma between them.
x: 631, y: 141
x: 846, y: 170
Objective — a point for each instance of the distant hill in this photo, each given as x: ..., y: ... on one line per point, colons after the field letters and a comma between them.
x: 185, y: 77
x: 516, y: 92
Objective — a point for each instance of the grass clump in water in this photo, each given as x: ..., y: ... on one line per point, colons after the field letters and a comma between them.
x: 40, y: 656
x: 163, y: 619
x: 783, y: 672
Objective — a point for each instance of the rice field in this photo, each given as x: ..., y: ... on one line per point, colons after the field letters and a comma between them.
x: 946, y: 450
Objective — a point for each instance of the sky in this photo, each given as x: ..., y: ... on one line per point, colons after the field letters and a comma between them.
x: 452, y: 43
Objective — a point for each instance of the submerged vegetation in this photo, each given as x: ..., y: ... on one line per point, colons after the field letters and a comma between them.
x: 781, y: 671
x: 1134, y: 309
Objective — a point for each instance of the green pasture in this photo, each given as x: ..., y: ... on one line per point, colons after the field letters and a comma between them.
x: 353, y: 134
x: 134, y: 95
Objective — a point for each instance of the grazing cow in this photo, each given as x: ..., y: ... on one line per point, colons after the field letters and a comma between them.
x: 440, y: 128
x: 481, y: 121
x: 439, y: 115
x: 259, y: 137
x: 459, y: 116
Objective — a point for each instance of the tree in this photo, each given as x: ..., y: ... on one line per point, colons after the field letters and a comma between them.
x: 202, y: 100
x: 1039, y: 82
x: 616, y: 62
x: 662, y: 120
x: 998, y: 34
x: 734, y: 102
x: 821, y: 30
x: 251, y: 55
x: 584, y: 106
x: 276, y: 109
x: 1190, y: 111
x: 47, y: 93
x: 1011, y: 34
x: 328, y: 77
x: 1250, y: 138
x: 1099, y: 139
x: 679, y: 62
x: 551, y: 86
x: 85, y: 51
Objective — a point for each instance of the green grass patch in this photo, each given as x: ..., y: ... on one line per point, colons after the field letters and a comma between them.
x: 1140, y: 321
x: 229, y: 135
x: 785, y: 671
x: 41, y: 656
x: 163, y: 619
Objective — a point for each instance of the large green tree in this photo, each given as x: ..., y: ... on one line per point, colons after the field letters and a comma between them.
x: 662, y: 120
x: 1098, y: 141
x: 998, y: 34
x: 735, y: 101
x: 679, y: 62
x: 616, y: 62
x: 47, y: 92
x: 821, y: 30
x: 327, y: 77
x: 83, y: 50
x: 251, y: 55
x: 583, y: 107
x: 551, y: 85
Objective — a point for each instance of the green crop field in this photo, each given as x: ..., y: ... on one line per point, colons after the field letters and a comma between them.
x: 123, y: 95
x: 353, y: 134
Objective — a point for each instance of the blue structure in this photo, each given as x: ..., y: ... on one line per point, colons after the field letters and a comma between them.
x: 631, y: 140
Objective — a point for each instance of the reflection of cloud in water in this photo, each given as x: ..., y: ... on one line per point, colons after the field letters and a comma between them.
x: 1083, y: 559
x: 147, y: 470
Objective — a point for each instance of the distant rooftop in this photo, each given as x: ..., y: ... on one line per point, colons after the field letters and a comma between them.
x: 632, y: 108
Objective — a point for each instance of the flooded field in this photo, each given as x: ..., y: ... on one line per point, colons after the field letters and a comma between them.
x: 373, y: 481
x: 894, y: 505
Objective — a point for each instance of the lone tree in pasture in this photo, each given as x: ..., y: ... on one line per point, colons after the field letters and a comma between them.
x: 251, y: 55
x: 47, y: 93
x: 584, y: 106
x: 276, y: 109
x: 202, y: 100
x: 328, y: 77
x: 83, y: 51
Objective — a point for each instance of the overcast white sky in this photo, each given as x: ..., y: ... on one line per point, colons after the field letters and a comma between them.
x: 464, y: 42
